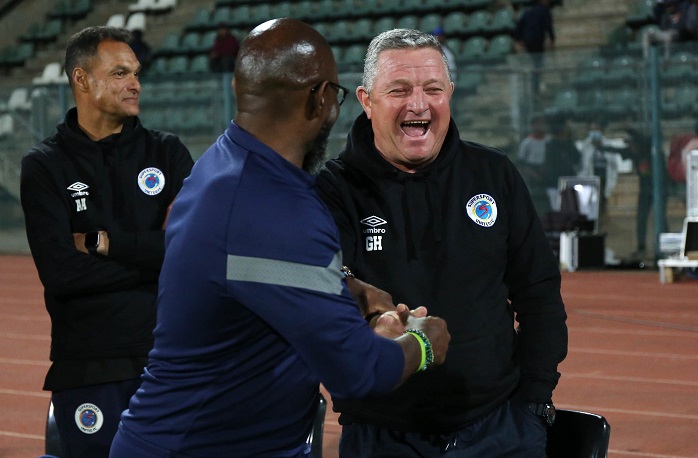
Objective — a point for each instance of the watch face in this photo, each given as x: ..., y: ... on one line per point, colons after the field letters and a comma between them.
x: 92, y: 239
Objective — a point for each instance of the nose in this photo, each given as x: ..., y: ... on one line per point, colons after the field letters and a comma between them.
x: 417, y: 102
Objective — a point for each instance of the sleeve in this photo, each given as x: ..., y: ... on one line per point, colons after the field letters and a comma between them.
x: 289, y: 275
x: 534, y: 282
x: 146, y: 249
x: 329, y: 189
x: 63, y: 269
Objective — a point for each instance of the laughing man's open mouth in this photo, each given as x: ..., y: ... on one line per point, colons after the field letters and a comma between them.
x: 415, y: 128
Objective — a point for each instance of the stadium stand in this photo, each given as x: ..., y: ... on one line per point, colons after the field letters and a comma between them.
x: 588, y: 75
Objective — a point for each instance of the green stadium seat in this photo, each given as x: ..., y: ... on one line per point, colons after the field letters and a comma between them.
x: 283, y: 9
x: 503, y: 21
x: 681, y: 67
x: 222, y: 15
x: 199, y: 64
x: 641, y: 14
x: 477, y: 23
x: 178, y: 65
x: 201, y: 20
x: 564, y: 104
x: 474, y: 48
x: 409, y: 21
x: 170, y: 45
x: 189, y: 44
x: 499, y: 48
x: 454, y: 22
x: 622, y: 71
x: 383, y: 24
x: 591, y: 73
x: 623, y: 103
x: 430, y: 22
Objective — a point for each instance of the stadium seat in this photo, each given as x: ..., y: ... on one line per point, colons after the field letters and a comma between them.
x: 502, y: 22
x: 409, y: 21
x: 19, y: 100
x: 51, y: 30
x: 499, y: 48
x: 454, y: 22
x: 206, y: 42
x: 354, y: 55
x: 621, y: 71
x: 565, y: 104
x: 641, y: 14
x: 591, y: 73
x: 136, y: 21
x: 52, y: 74
x: 383, y: 24
x: 623, y: 103
x: 363, y: 29
x: 199, y: 64
x: 578, y: 434
x: 681, y: 101
x: 116, y: 20
x: 474, y: 48
x: 477, y: 23
x: 142, y: 6
x: 189, y: 44
x: 201, y: 20
x: 430, y: 22
x: 169, y: 46
x: 7, y: 125
x: 283, y: 9
x: 260, y: 12
x: 681, y: 66
x: 221, y: 15
x: 469, y: 79
x: 178, y: 65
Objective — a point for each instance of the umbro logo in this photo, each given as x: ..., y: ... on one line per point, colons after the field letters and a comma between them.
x: 79, y: 189
x: 373, y: 242
x: 373, y: 221
x: 77, y: 186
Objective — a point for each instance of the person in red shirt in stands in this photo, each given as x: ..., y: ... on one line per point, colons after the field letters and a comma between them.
x: 224, y: 51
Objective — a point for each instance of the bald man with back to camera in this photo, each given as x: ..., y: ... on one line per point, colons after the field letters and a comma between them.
x: 254, y: 309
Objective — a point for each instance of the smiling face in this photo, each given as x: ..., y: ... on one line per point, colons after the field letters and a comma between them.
x: 113, y: 81
x: 409, y: 106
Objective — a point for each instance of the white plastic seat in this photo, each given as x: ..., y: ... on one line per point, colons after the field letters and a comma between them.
x: 136, y: 21
x: 52, y: 74
x: 116, y: 20
x: 19, y: 100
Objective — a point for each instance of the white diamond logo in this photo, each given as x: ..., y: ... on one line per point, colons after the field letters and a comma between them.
x: 373, y: 221
x: 77, y: 187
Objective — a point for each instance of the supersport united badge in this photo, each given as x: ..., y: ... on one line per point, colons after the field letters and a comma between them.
x: 482, y: 209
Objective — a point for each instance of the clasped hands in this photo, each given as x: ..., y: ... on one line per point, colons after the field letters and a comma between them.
x: 392, y: 321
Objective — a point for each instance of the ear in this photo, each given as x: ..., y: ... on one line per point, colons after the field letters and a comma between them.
x: 80, y: 79
x: 316, y: 101
x: 364, y: 99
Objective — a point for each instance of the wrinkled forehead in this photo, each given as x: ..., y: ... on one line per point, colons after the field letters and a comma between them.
x: 421, y: 62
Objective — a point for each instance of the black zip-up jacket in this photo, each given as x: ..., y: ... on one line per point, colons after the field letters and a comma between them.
x: 462, y: 238
x: 102, y: 308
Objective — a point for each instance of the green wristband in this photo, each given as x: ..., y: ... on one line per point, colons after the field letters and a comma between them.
x: 425, y: 344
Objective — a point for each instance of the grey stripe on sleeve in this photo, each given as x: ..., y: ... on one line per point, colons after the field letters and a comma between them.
x: 285, y: 273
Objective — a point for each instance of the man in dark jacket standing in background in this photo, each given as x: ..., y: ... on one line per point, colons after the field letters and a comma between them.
x: 96, y: 196
x: 450, y: 225
x: 534, y: 25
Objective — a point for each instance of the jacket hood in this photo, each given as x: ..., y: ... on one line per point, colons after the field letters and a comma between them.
x: 70, y: 131
x: 363, y: 161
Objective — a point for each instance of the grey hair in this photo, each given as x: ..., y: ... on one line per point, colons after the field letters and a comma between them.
x: 397, y: 39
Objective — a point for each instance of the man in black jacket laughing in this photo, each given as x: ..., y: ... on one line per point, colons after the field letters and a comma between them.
x: 448, y: 224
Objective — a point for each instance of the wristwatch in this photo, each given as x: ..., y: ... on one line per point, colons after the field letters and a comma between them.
x: 92, y: 240
x: 547, y: 411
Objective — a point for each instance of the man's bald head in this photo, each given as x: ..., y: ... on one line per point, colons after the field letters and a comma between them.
x: 282, y: 55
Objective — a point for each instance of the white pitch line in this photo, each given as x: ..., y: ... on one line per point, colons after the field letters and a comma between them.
x: 25, y: 362
x: 34, y: 394
x: 642, y: 354
x: 653, y: 455
x: 645, y: 413
x: 632, y: 379
x: 22, y: 436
